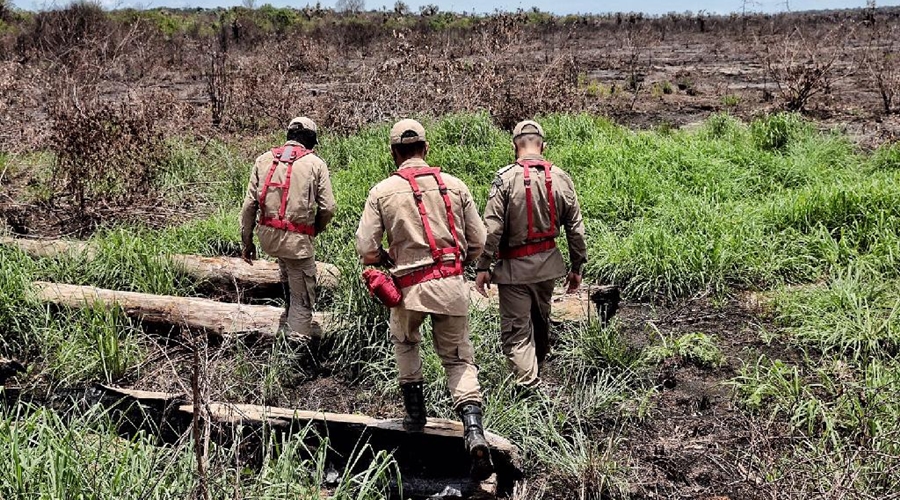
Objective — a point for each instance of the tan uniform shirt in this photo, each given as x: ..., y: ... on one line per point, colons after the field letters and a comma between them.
x: 310, y: 201
x: 391, y: 209
x: 507, y: 225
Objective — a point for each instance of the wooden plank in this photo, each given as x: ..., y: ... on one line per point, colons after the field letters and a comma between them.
x: 192, y: 312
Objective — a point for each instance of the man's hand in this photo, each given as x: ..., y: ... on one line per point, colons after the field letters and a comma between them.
x: 573, y: 281
x: 482, y: 279
x: 248, y: 252
x: 386, y: 261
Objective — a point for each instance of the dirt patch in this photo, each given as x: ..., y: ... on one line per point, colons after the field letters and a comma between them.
x: 694, y: 441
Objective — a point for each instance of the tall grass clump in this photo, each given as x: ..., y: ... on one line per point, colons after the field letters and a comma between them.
x: 775, y: 132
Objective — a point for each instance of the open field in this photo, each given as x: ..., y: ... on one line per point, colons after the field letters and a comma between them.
x: 755, y: 355
x: 246, y: 71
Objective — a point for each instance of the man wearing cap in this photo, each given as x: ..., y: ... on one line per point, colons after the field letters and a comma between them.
x: 527, y: 203
x: 433, y: 229
x: 290, y: 190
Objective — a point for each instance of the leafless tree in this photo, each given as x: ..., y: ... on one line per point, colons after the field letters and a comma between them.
x: 804, y: 65
x: 881, y: 61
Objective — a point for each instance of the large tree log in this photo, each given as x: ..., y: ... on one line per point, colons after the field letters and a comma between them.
x: 194, y: 313
x: 599, y: 302
x: 430, y: 462
x: 262, y: 278
x: 49, y: 248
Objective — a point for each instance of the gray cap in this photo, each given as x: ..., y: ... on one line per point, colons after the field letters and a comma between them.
x: 305, y: 123
x: 407, y: 132
x: 527, y: 127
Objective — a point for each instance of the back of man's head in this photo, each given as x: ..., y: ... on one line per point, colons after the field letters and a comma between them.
x: 407, y: 139
x: 528, y: 137
x: 304, y: 131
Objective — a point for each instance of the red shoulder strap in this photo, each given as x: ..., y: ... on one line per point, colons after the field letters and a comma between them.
x: 284, y: 154
x: 410, y: 174
x: 526, y: 165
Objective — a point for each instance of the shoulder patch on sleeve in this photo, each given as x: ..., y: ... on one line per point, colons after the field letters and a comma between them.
x: 495, y: 186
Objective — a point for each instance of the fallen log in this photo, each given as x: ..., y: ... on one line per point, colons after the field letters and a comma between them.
x: 599, y: 302
x: 430, y: 462
x: 49, y: 248
x: 262, y: 278
x: 194, y: 313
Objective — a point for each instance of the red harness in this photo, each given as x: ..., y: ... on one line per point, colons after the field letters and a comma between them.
x: 285, y: 154
x: 535, y: 242
x: 440, y: 268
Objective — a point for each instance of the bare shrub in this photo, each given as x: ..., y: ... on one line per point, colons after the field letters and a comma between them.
x: 60, y: 33
x: 217, y: 76
x: 638, y: 48
x: 107, y: 156
x: 804, y: 65
x: 882, y: 63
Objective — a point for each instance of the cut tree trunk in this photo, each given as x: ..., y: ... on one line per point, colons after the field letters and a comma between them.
x: 262, y: 278
x: 430, y: 462
x: 600, y: 302
x: 191, y: 312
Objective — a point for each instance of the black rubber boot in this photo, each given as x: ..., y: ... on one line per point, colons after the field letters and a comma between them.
x: 414, y: 403
x: 476, y: 444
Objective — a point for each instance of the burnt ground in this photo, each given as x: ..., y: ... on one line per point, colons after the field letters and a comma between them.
x: 695, y: 439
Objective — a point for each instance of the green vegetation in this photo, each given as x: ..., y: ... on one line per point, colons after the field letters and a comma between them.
x: 697, y: 348
x: 731, y: 100
x: 774, y: 206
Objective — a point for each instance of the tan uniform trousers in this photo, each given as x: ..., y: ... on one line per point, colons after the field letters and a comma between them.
x: 299, y: 276
x: 450, y: 335
x: 525, y: 328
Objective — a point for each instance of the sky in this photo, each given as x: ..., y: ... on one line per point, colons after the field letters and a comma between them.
x: 487, y: 6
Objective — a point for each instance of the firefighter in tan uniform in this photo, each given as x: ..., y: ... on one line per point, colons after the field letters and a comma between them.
x: 528, y: 203
x: 433, y: 228
x: 290, y: 190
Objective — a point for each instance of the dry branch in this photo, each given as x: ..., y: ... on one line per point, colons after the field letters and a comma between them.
x: 194, y: 313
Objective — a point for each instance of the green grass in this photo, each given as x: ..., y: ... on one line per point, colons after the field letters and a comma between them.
x: 697, y: 348
x: 774, y: 205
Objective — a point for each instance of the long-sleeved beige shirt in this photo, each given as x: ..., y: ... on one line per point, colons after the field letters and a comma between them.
x: 310, y: 201
x: 391, y: 211
x: 506, y: 219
